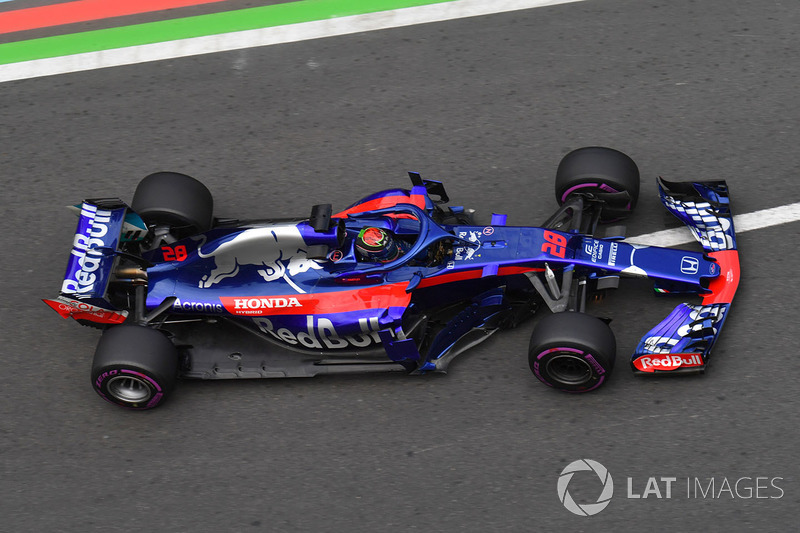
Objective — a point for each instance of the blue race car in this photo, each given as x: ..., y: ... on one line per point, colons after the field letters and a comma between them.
x: 395, y: 282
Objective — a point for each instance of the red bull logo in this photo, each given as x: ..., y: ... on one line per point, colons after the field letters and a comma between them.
x: 277, y: 250
x: 85, y: 258
x: 321, y: 333
x: 651, y: 363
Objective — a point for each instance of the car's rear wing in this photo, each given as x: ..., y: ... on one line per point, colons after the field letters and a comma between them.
x: 99, y: 233
x: 683, y: 341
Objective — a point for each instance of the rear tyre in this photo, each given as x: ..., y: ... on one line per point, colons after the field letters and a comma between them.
x: 599, y: 170
x: 175, y: 200
x: 134, y: 367
x: 573, y: 352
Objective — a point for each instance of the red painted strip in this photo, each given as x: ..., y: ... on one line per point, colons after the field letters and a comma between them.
x: 378, y: 297
x: 84, y: 10
x: 386, y: 201
x: 83, y: 311
x: 724, y: 286
x: 510, y: 270
x: 463, y: 275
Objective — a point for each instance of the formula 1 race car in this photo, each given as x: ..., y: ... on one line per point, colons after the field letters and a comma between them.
x: 395, y: 282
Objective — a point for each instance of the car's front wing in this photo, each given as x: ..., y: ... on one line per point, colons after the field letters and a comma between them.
x: 682, y: 342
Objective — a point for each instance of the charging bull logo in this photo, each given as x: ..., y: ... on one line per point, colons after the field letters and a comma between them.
x: 278, y: 250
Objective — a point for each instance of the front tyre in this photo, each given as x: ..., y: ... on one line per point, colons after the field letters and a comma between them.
x: 134, y: 367
x: 601, y: 171
x: 573, y: 352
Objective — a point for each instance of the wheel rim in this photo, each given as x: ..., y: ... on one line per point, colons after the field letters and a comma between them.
x: 569, y: 369
x: 128, y: 389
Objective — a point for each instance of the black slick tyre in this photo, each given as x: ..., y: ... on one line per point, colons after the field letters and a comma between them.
x: 573, y: 352
x: 175, y: 200
x: 134, y: 367
x: 602, y: 171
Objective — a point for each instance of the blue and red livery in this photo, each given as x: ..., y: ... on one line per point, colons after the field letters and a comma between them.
x: 267, y: 298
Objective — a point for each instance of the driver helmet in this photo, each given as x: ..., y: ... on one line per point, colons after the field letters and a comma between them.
x: 376, y: 244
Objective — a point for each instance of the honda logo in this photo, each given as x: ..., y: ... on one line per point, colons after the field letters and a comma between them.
x: 689, y: 265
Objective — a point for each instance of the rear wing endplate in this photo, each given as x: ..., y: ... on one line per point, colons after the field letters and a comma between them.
x: 91, y: 262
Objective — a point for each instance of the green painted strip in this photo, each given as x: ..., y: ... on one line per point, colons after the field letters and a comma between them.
x: 198, y: 26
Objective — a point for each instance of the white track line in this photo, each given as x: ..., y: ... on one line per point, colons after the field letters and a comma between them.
x: 267, y: 36
x: 741, y: 223
x: 344, y: 26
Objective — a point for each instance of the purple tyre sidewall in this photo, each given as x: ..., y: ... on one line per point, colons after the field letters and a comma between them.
x: 542, y: 362
x: 602, y: 187
x: 101, y: 382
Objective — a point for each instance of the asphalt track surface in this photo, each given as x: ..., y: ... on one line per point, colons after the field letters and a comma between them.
x: 691, y: 90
